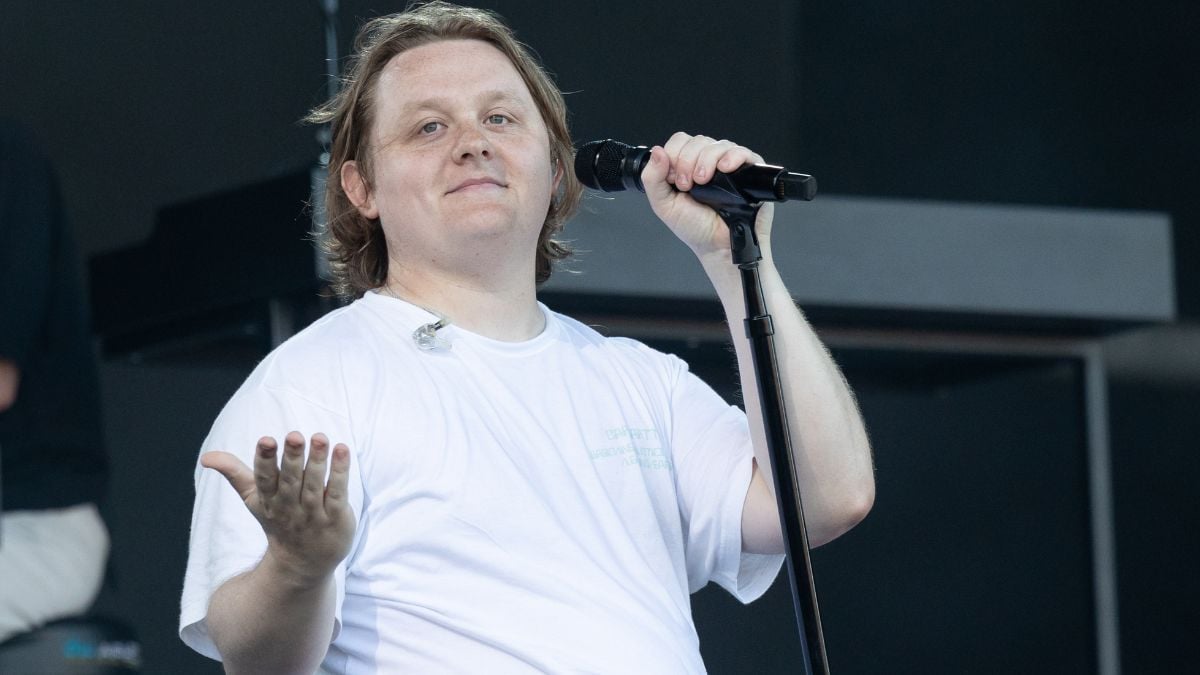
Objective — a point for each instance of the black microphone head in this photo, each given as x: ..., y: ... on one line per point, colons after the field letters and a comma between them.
x: 585, y: 163
x: 610, y: 165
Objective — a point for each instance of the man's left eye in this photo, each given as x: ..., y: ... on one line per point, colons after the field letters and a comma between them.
x: 497, y: 119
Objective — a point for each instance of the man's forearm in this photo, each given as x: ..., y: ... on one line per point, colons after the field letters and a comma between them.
x: 268, y: 620
x: 829, y: 440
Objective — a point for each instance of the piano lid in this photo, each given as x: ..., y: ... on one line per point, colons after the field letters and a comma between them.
x: 210, y: 254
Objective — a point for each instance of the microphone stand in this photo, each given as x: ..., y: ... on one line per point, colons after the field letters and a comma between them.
x: 320, y: 171
x: 739, y: 215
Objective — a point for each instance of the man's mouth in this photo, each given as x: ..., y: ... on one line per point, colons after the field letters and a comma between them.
x: 477, y: 183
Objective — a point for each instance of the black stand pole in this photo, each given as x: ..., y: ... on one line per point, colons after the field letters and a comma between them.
x: 320, y: 171
x: 740, y: 217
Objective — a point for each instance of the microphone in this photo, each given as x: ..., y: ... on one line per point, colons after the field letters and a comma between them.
x: 426, y: 336
x: 612, y: 166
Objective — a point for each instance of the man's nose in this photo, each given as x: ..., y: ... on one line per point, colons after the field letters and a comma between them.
x: 472, y: 142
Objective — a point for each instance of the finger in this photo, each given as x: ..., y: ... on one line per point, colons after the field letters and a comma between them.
x: 685, y: 161
x: 291, y: 469
x: 312, y: 491
x: 337, y: 489
x: 712, y: 157
x: 654, y: 176
x: 676, y: 142
x: 736, y: 156
x: 672, y: 147
x: 238, y: 474
x: 266, y: 470
x: 762, y: 224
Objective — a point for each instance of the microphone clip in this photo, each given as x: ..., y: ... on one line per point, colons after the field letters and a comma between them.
x: 721, y: 195
x: 426, y: 336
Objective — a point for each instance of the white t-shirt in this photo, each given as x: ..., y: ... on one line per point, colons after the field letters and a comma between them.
x: 542, y: 506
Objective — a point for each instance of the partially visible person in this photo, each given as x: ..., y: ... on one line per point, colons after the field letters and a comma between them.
x: 53, y: 542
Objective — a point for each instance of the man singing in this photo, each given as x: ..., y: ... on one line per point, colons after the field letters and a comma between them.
x: 473, y: 483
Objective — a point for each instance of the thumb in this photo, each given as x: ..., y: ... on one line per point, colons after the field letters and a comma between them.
x: 654, y: 176
x: 238, y: 474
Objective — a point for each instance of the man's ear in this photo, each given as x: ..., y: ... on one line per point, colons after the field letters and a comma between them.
x: 354, y: 184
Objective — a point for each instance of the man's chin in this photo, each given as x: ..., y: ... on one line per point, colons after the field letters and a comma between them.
x: 491, y: 218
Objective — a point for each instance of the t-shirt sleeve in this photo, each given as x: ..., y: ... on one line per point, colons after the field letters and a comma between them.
x: 713, y: 460
x: 226, y: 540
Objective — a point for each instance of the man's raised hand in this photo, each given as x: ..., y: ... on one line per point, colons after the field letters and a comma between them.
x: 308, y: 522
x: 684, y: 162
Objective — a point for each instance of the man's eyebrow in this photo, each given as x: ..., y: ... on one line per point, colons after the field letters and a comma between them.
x: 490, y: 96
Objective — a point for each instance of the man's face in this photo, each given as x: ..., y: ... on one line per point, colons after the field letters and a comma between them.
x: 461, y: 156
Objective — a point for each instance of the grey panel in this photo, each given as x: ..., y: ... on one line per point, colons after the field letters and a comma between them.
x: 906, y: 255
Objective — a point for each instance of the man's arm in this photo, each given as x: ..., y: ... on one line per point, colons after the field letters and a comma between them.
x: 279, y: 616
x: 272, y: 620
x: 830, y: 442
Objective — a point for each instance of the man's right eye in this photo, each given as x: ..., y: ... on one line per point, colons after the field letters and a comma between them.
x: 430, y: 127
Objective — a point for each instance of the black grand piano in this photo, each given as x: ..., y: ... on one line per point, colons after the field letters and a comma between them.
x: 216, y: 269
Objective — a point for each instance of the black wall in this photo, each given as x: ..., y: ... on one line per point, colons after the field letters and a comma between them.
x: 1056, y: 103
x: 1061, y: 103
x: 976, y: 557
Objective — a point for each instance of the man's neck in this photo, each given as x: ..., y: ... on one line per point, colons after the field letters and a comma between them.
x: 500, y: 311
